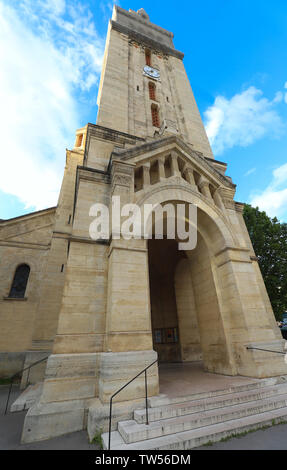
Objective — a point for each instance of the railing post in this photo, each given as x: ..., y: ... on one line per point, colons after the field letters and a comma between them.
x: 19, y: 372
x: 10, y: 388
x: 118, y: 391
x: 146, y: 411
x: 28, y: 375
x: 110, y: 423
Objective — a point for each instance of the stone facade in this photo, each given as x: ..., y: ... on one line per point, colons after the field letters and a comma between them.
x: 105, y: 309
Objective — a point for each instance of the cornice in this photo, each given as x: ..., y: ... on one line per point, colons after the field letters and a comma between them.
x: 135, y: 16
x: 31, y: 215
x: 143, y: 39
x: 108, y: 134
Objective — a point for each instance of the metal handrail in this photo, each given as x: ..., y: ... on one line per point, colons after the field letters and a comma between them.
x: 267, y: 350
x: 15, y: 375
x: 118, y: 391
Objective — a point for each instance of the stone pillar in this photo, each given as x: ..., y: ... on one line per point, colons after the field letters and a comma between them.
x: 161, y: 171
x: 174, y: 165
x: 128, y: 321
x: 128, y: 343
x: 188, y: 172
x: 218, y: 200
x: 246, y: 317
x: 203, y: 185
x: 146, y: 175
x: 128, y: 325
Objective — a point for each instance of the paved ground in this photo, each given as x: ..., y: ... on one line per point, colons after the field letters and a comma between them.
x: 274, y: 438
x: 179, y: 378
x: 11, y: 428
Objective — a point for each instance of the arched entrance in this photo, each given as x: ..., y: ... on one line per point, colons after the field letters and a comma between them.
x: 185, y: 316
x: 185, y: 300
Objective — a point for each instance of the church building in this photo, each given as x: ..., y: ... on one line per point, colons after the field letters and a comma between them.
x: 102, y: 309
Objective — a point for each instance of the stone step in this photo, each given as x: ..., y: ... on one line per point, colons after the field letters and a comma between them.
x: 162, y: 399
x: 131, y: 431
x: 197, y: 437
x: 217, y: 401
x: 27, y: 398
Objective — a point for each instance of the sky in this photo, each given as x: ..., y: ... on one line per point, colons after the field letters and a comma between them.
x: 50, y: 62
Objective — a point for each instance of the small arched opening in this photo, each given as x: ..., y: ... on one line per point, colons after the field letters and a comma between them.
x: 20, y: 280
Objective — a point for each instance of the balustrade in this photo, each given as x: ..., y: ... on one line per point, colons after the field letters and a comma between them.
x: 164, y: 167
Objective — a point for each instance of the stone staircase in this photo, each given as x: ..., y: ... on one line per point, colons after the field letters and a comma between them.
x: 191, y: 421
x: 27, y: 398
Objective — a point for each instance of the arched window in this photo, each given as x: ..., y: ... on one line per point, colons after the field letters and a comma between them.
x: 20, y: 280
x: 151, y: 88
x: 155, y: 115
x: 148, y: 57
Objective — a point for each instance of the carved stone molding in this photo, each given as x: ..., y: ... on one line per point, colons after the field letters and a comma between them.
x: 239, y: 206
x: 229, y: 203
x: 122, y: 174
x: 123, y: 180
x: 145, y: 40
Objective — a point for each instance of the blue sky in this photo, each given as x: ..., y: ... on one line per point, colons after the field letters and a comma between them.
x: 50, y: 62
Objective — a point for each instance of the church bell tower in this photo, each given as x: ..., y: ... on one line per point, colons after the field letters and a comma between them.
x: 128, y: 302
x: 144, y: 89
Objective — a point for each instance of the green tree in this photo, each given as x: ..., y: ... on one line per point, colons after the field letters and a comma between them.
x: 269, y: 239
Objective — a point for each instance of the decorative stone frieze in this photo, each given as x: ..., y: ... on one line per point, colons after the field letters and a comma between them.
x: 122, y: 175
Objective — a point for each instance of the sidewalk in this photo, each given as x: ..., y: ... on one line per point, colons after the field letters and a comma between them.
x: 11, y: 428
x: 273, y: 438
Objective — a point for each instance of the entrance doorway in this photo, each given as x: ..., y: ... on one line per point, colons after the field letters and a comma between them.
x: 186, y: 314
x: 164, y: 257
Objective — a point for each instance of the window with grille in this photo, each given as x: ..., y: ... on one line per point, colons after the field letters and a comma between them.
x: 151, y: 87
x: 20, y: 280
x: 147, y: 57
x: 155, y: 116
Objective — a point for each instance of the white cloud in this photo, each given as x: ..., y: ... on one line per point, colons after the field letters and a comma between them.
x: 249, y: 172
x: 278, y: 97
x: 241, y: 120
x: 273, y: 200
x: 47, y: 59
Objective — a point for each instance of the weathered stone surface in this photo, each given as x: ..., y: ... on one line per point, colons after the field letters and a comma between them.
x: 103, y: 309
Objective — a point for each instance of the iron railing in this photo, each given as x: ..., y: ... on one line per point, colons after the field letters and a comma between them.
x: 13, y: 377
x: 267, y: 350
x: 118, y: 391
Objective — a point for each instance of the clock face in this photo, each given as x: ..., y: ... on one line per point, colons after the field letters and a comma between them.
x: 151, y: 72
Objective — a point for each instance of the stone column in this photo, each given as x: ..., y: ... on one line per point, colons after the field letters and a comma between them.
x: 128, y: 322
x: 146, y: 175
x: 128, y: 342
x: 174, y: 165
x: 188, y: 172
x: 218, y: 200
x: 203, y: 185
x: 161, y: 171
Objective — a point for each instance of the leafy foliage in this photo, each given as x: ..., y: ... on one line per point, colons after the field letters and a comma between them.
x: 269, y: 239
